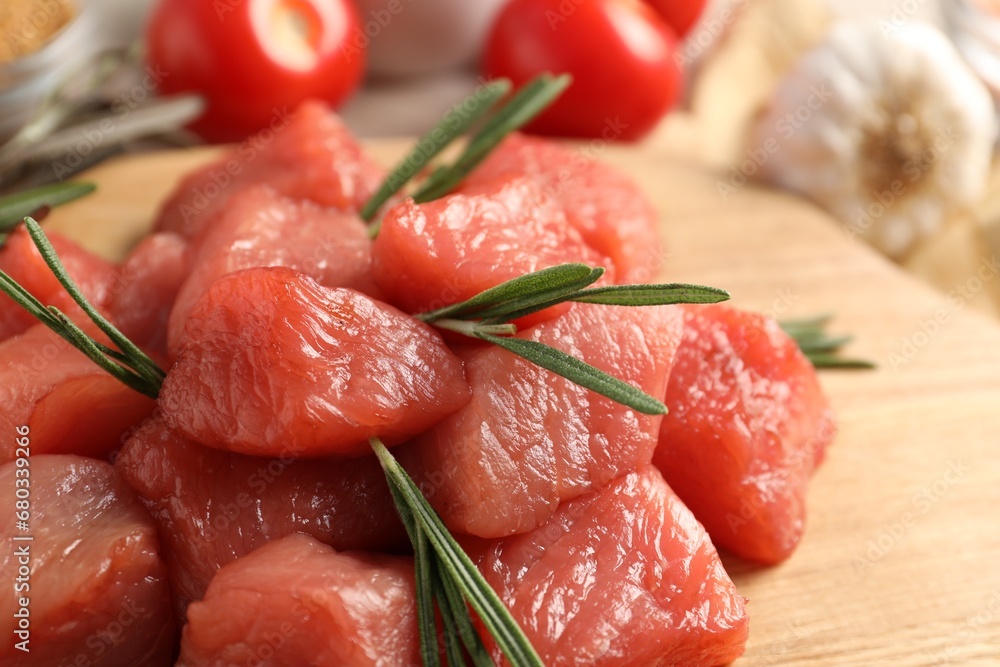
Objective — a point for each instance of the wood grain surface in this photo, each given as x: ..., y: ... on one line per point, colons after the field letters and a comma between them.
x: 900, y: 564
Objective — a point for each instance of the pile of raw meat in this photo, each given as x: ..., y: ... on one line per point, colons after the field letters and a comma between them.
x: 240, y: 519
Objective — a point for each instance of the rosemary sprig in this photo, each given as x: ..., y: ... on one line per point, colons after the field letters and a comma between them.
x: 459, y: 622
x: 534, y: 98
x: 617, y: 295
x: 543, y: 289
x: 832, y: 361
x: 579, y: 372
x: 651, y: 295
x: 128, y: 363
x: 452, y: 649
x: 455, y: 123
x: 524, y: 100
x: 130, y: 350
x: 818, y: 347
x: 531, y: 100
x: 455, y: 569
x: 424, y: 580
x: 549, y: 283
x: 485, y: 315
x: 16, y: 207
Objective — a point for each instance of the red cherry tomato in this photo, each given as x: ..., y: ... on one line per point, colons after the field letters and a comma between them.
x: 681, y: 15
x: 254, y: 59
x: 620, y: 53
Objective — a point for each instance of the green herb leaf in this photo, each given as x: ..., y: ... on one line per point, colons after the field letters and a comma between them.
x: 524, y: 97
x: 143, y: 364
x: 534, y: 98
x: 472, y: 328
x: 544, y: 284
x: 543, y: 289
x: 534, y: 302
x: 426, y: 565
x: 536, y: 291
x: 619, y: 295
x: 452, y: 647
x: 76, y: 337
x: 580, y: 373
x: 68, y: 331
x: 818, y: 347
x: 55, y: 320
x: 817, y: 323
x: 16, y: 207
x: 455, y: 565
x: 531, y: 100
x: 26, y: 300
x: 651, y: 295
x: 832, y: 361
x: 128, y: 364
x: 454, y: 124
x: 816, y: 344
x: 461, y: 623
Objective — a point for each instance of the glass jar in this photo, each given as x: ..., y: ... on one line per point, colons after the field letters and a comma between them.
x: 26, y: 81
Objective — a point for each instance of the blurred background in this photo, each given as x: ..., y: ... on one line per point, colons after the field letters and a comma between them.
x: 883, y: 112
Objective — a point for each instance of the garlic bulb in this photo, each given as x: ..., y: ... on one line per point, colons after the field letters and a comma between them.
x: 886, y: 129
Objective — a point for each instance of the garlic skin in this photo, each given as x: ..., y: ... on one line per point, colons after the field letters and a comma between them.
x: 886, y: 129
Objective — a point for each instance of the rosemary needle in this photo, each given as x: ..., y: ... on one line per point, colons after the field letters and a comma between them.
x: 16, y: 207
x: 455, y: 565
x: 455, y: 123
x: 128, y: 363
x: 822, y: 350
x: 426, y: 565
x: 579, y: 372
x: 135, y: 357
x: 521, y: 110
x: 531, y: 100
x: 545, y: 284
x: 484, y: 315
x: 453, y: 605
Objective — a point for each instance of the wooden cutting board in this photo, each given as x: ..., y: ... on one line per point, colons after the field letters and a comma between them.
x: 900, y: 564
